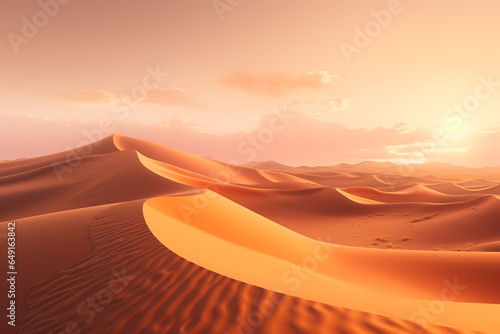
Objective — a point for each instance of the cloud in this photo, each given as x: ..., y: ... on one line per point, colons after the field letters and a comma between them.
x: 422, y: 151
x: 161, y: 96
x: 179, y: 123
x: 338, y: 103
x: 492, y: 130
x: 293, y: 139
x: 90, y: 97
x: 320, y: 108
x: 275, y: 83
x: 169, y: 97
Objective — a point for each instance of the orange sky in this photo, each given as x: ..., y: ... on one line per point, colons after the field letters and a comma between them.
x: 367, y: 80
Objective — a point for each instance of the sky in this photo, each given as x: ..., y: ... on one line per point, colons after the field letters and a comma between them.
x: 298, y: 82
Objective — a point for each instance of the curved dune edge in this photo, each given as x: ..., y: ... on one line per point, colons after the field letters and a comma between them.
x: 414, y: 194
x: 232, y: 241
x: 358, y: 199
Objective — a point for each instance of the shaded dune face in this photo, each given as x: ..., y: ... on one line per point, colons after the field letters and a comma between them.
x: 70, y: 158
x: 209, y: 247
x: 97, y: 179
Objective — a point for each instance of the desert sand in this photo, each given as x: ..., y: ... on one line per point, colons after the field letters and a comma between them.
x: 128, y: 236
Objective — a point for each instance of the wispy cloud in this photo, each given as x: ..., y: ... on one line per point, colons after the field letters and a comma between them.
x: 492, y: 130
x: 275, y: 83
x: 169, y: 96
x: 320, y: 108
x: 90, y: 97
x: 304, y: 141
x: 408, y: 150
x: 161, y: 96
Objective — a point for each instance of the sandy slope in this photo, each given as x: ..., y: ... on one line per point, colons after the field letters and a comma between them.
x: 165, y: 293
x: 242, y: 236
x: 337, y: 275
x: 98, y: 179
x: 455, y: 189
x: 418, y: 193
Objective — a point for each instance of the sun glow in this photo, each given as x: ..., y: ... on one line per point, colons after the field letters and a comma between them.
x: 456, y: 132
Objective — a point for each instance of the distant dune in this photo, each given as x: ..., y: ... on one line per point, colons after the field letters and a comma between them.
x: 128, y: 236
x: 432, y: 170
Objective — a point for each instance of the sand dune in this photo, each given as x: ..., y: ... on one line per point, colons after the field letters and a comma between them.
x: 493, y: 246
x: 455, y: 189
x: 344, y: 180
x: 98, y: 179
x: 476, y: 184
x: 168, y: 294
x: 189, y: 162
x: 71, y: 157
x: 416, y: 193
x: 207, y: 247
x: 240, y: 233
